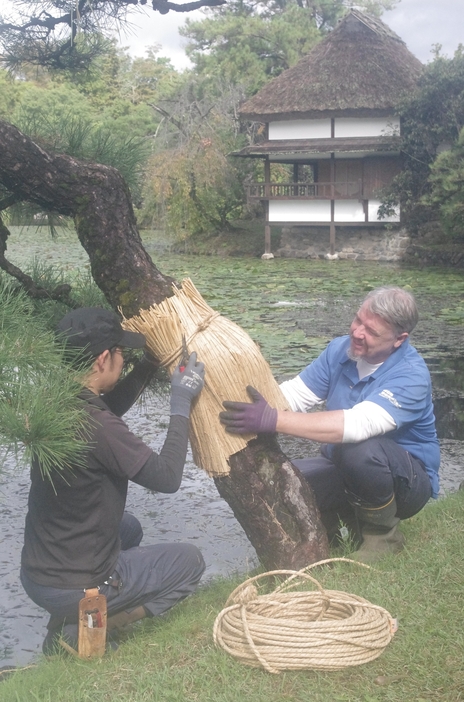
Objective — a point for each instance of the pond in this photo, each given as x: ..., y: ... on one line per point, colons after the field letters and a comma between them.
x: 292, y: 308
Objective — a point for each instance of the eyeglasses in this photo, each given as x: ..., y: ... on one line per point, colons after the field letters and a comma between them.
x: 118, y: 349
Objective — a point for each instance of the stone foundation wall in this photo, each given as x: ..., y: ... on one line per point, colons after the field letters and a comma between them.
x: 358, y: 243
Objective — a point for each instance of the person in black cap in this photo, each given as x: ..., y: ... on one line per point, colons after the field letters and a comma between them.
x: 77, y: 534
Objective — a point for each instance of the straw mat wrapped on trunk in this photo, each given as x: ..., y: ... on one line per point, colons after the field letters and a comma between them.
x: 232, y: 361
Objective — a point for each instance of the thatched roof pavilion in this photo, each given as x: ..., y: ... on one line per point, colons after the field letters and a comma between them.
x: 360, y: 69
x: 332, y: 118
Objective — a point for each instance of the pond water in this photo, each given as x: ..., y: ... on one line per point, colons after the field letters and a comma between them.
x: 292, y: 309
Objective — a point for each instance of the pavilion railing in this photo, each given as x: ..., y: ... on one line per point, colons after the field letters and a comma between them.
x: 306, y: 191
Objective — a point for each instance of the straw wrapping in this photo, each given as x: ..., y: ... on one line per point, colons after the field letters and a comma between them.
x: 232, y: 361
x: 176, y: 354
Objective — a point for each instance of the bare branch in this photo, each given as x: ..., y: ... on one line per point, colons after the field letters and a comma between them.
x: 163, y: 7
x: 169, y: 117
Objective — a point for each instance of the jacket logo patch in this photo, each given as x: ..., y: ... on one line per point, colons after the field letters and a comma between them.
x: 390, y: 397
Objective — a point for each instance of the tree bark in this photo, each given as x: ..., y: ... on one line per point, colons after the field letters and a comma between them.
x: 98, y: 199
x: 270, y: 499
x: 274, y: 505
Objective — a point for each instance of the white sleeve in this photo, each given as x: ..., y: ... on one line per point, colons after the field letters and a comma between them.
x: 365, y: 420
x: 299, y: 396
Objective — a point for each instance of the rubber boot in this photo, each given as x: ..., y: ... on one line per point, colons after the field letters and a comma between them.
x: 122, y: 619
x: 379, y: 532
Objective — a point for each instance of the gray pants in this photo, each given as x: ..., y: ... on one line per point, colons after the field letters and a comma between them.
x: 156, y: 577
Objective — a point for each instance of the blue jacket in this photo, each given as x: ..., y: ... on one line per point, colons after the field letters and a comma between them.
x: 401, y: 385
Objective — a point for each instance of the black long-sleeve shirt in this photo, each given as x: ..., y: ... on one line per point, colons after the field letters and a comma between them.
x: 72, y: 526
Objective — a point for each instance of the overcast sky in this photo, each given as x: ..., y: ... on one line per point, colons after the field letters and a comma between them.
x: 420, y: 23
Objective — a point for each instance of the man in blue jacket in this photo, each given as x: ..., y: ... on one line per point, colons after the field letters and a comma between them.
x: 380, y: 454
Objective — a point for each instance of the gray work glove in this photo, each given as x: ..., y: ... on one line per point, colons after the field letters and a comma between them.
x: 186, y: 383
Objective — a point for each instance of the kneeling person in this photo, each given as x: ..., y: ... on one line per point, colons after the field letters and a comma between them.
x: 77, y: 534
x: 380, y: 454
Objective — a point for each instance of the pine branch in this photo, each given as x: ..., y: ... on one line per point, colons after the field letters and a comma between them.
x: 40, y: 413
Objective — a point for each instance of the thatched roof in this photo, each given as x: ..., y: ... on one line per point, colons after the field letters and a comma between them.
x: 360, y: 69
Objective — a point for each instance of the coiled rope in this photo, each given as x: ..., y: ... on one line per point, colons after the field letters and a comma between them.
x: 283, y: 630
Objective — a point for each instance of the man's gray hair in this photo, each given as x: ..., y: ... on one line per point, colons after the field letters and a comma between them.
x: 395, y: 305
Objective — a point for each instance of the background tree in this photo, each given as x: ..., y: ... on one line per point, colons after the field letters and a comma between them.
x: 447, y: 188
x: 432, y: 118
x: 191, y: 185
x: 101, y: 114
x: 247, y: 42
x: 248, y: 48
x: 146, y: 80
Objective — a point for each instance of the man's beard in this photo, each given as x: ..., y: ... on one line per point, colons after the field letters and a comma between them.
x: 352, y: 355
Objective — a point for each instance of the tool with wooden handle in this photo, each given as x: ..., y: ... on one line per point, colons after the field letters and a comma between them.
x: 185, y: 355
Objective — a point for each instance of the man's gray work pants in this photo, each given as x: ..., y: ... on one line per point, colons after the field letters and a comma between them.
x: 156, y: 577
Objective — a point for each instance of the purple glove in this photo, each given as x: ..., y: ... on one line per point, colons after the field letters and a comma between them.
x: 245, y: 418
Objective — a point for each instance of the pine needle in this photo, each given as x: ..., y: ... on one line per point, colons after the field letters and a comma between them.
x: 40, y: 414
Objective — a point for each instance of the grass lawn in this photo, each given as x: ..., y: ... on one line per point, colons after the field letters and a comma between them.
x: 174, y: 658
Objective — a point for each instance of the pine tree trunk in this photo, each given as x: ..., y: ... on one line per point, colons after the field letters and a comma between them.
x: 98, y: 200
x: 269, y: 498
x: 274, y: 505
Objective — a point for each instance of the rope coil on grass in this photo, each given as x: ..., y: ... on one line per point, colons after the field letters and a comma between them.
x: 282, y: 630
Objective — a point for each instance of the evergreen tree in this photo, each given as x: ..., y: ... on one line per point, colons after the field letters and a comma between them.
x: 432, y: 118
x: 248, y: 42
x: 447, y: 188
x: 40, y: 415
x: 70, y: 34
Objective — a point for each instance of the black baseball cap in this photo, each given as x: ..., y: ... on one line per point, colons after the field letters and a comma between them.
x: 92, y: 330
